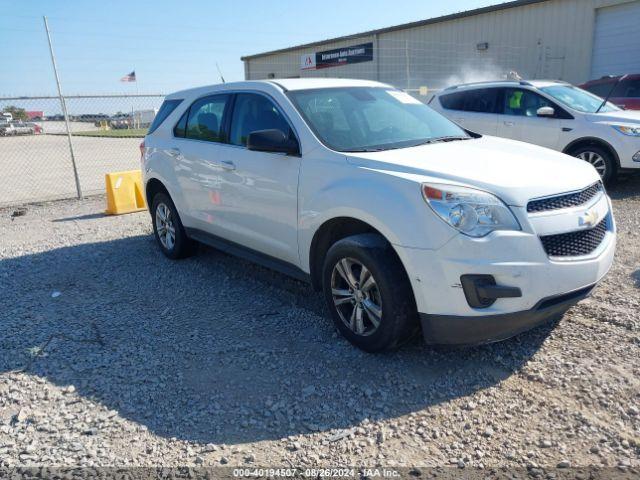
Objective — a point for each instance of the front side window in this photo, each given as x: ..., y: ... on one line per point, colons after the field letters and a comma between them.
x: 354, y: 119
x: 205, y: 119
x: 578, y: 99
x: 523, y: 103
x: 482, y: 100
x: 253, y: 112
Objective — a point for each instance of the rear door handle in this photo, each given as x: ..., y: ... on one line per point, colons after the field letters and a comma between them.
x: 509, y: 124
x: 174, y: 152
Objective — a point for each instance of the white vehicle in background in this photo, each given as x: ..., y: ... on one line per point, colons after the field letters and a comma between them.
x: 16, y: 128
x: 6, y: 117
x: 398, y: 215
x: 143, y: 118
x: 551, y: 114
x: 135, y: 119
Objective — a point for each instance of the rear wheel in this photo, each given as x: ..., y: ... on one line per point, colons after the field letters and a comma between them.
x: 168, y: 229
x: 601, y: 159
x: 368, y: 293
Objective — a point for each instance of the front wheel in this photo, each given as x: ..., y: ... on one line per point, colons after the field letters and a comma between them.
x: 602, y: 161
x: 368, y: 293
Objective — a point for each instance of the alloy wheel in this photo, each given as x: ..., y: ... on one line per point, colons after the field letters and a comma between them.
x: 356, y: 296
x: 596, y: 160
x: 164, y: 226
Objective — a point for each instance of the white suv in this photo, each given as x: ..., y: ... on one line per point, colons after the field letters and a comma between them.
x: 551, y: 114
x: 401, y: 217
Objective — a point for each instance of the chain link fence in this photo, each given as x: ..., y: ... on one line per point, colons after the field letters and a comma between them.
x: 40, y: 161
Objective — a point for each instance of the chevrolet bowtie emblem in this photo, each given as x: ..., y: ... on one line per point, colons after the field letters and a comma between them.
x: 589, y: 219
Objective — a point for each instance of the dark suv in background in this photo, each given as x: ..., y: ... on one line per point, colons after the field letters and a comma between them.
x: 626, y: 93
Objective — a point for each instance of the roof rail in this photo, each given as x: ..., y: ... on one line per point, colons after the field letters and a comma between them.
x: 486, y: 82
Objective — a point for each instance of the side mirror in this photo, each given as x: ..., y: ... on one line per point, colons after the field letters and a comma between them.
x: 546, y: 112
x: 272, y: 140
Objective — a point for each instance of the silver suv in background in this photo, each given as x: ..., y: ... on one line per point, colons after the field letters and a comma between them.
x: 551, y: 114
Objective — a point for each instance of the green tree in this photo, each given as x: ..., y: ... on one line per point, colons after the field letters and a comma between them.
x: 17, y: 113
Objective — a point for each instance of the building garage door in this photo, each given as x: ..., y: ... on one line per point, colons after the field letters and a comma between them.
x: 616, y: 45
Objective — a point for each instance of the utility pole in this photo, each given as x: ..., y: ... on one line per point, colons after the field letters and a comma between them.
x: 63, y: 104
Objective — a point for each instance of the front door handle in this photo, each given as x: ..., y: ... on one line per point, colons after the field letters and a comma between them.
x: 509, y: 124
x: 227, y: 165
x: 174, y: 152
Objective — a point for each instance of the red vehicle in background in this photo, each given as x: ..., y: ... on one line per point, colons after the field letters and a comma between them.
x: 626, y: 93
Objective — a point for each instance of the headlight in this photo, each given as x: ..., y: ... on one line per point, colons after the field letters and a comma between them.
x: 472, y: 212
x: 625, y: 130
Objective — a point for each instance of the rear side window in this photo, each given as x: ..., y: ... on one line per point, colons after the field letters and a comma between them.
x: 180, y: 130
x: 624, y: 89
x: 600, y: 89
x: 480, y: 101
x: 628, y: 89
x: 205, y: 118
x: 166, y: 108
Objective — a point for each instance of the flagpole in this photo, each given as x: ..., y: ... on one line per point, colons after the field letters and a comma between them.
x: 135, y: 80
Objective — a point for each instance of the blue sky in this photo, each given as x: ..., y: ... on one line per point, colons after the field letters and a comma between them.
x: 174, y: 45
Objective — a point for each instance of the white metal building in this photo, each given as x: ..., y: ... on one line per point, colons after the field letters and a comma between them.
x: 572, y: 40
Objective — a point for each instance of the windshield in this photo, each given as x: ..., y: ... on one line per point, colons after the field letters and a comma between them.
x: 357, y: 119
x: 578, y: 99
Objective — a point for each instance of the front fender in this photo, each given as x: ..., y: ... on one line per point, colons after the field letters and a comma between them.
x: 392, y: 205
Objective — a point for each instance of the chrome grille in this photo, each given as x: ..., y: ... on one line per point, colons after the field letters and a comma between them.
x: 575, y: 244
x: 565, y: 201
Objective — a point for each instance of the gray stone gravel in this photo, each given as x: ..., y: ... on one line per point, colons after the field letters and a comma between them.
x: 111, y: 354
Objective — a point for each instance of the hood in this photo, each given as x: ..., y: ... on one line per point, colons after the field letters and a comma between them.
x: 622, y: 116
x: 514, y: 171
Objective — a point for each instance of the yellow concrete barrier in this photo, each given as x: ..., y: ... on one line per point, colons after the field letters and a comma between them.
x: 124, y: 192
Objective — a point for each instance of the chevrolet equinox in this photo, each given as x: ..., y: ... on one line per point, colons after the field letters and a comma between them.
x: 404, y: 220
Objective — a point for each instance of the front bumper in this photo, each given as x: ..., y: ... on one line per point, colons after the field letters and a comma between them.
x: 456, y: 330
x: 627, y: 147
x: 514, y: 259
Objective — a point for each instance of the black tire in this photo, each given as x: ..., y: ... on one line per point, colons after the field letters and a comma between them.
x: 182, y: 246
x: 399, y: 319
x: 593, y: 151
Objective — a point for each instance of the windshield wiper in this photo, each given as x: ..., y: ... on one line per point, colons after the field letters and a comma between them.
x: 395, y: 147
x: 448, y: 139
x: 355, y: 150
x: 440, y: 139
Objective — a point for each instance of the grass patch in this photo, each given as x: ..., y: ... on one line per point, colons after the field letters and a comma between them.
x: 123, y: 133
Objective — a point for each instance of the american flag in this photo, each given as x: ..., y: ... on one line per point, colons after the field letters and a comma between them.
x: 130, y: 77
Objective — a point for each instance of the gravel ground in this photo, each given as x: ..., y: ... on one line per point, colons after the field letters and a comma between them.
x: 112, y: 355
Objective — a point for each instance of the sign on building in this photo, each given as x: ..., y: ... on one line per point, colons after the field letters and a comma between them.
x: 337, y: 57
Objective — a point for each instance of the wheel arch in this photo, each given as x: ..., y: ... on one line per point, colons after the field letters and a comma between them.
x: 153, y: 187
x: 585, y: 141
x: 328, y: 233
